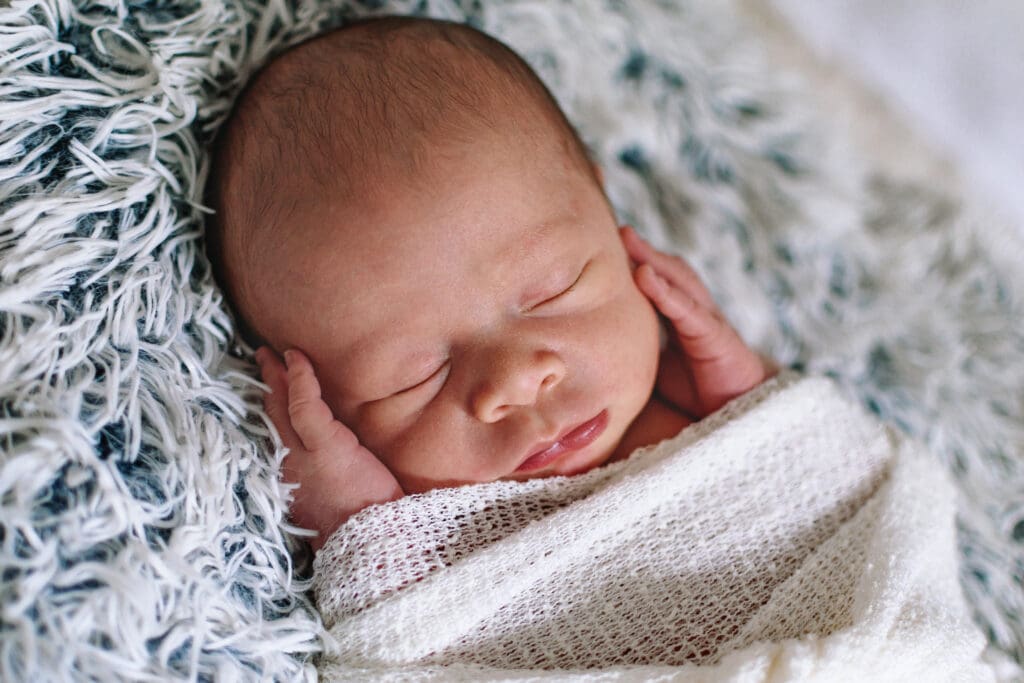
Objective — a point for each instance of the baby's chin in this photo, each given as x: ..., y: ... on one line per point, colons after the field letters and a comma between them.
x: 585, y: 463
x: 570, y: 465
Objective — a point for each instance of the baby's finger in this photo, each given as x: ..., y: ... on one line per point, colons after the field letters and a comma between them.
x: 275, y: 401
x: 673, y: 268
x: 700, y: 331
x: 311, y: 418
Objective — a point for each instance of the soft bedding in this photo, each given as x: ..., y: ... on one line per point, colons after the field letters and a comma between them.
x: 142, y: 529
x: 790, y: 536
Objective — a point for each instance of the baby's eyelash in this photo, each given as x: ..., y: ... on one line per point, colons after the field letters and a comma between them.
x: 423, y: 381
x: 564, y: 291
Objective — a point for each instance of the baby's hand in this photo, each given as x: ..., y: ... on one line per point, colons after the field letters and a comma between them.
x: 337, y: 476
x: 706, y: 364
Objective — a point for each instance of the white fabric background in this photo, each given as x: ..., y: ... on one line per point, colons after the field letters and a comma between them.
x: 954, y: 68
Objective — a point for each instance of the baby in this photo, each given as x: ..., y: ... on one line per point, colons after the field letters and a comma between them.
x: 414, y: 235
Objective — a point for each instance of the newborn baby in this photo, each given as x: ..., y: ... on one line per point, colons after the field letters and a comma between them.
x: 414, y: 235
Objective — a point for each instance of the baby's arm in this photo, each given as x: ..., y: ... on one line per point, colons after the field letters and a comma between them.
x: 337, y: 476
x: 706, y: 363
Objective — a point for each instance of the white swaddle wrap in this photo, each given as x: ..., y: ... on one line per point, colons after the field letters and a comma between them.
x: 790, y: 536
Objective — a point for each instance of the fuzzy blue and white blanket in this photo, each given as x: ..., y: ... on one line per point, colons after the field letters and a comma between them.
x: 141, y: 521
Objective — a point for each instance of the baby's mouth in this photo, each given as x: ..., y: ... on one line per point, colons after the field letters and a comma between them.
x: 576, y: 438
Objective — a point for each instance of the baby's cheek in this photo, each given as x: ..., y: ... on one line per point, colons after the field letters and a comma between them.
x: 380, y: 424
x: 641, y: 348
x: 426, y: 454
x: 619, y: 344
x: 397, y: 430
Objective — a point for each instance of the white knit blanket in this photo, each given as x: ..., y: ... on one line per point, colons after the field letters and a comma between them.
x: 142, y: 517
x: 788, y: 537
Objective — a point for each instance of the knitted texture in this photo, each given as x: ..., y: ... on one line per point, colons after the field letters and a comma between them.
x: 789, y: 515
x: 142, y: 532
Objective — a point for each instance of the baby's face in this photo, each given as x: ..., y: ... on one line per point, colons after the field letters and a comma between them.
x: 463, y: 323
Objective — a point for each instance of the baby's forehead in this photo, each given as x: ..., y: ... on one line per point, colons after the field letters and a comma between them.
x: 381, y: 270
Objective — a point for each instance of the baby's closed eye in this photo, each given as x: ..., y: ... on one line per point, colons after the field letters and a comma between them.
x: 424, y: 380
x: 559, y: 291
x: 402, y: 405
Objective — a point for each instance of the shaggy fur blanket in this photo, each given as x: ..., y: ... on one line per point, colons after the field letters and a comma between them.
x: 787, y: 537
x: 142, y: 531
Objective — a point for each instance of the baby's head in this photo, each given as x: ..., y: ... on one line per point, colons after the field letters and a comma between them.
x: 404, y: 201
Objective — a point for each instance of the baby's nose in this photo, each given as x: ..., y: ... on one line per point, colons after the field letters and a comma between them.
x: 513, y: 379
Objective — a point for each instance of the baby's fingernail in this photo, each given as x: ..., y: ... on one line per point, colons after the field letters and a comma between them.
x: 289, y: 356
